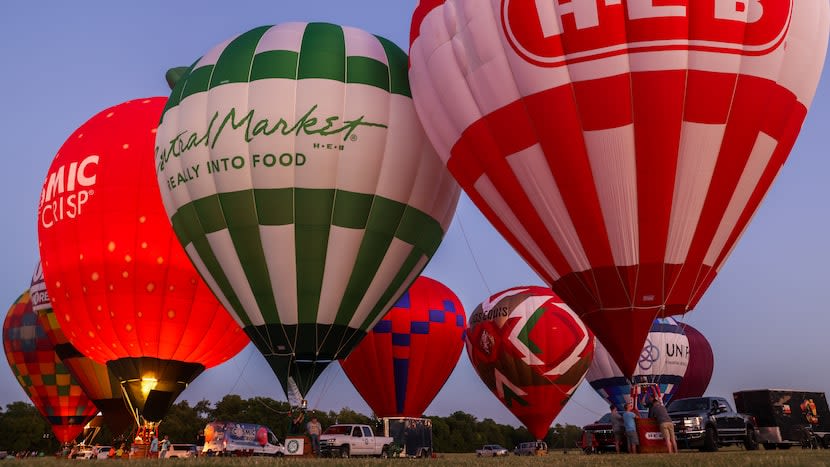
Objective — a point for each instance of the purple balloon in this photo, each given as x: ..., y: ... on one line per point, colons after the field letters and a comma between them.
x: 701, y: 364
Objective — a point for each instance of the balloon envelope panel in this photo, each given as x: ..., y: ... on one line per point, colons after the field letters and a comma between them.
x: 318, y: 198
x: 620, y: 147
x: 41, y: 373
x: 402, y: 364
x: 531, y: 351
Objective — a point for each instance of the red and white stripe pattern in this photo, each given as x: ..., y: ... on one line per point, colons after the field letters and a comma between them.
x: 623, y: 180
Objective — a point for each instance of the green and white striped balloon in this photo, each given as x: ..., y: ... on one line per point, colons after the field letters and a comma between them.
x: 300, y: 182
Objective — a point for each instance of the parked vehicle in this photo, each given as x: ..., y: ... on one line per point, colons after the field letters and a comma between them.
x: 787, y: 417
x: 532, y: 448
x: 707, y: 423
x: 346, y: 440
x: 240, y: 439
x: 599, y: 436
x: 411, y: 437
x: 182, y: 450
x: 491, y: 450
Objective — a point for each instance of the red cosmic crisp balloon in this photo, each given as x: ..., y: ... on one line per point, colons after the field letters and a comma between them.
x: 123, y: 289
x: 531, y: 350
x: 98, y: 383
x: 400, y: 366
x: 41, y: 373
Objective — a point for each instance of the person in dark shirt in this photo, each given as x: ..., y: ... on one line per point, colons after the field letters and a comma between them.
x: 658, y: 411
x: 618, y: 426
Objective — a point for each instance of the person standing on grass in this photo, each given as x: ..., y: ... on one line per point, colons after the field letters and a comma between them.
x: 165, y: 446
x: 629, y: 417
x: 618, y: 426
x: 154, y: 446
x: 314, y: 430
x: 658, y: 411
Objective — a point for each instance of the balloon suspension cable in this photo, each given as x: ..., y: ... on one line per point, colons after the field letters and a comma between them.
x: 472, y: 255
x: 326, y: 383
x: 242, y: 372
x: 133, y: 410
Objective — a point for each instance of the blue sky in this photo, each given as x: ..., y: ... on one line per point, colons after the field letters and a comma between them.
x: 766, y: 314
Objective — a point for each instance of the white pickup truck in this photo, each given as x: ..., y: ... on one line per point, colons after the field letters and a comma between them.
x: 345, y: 440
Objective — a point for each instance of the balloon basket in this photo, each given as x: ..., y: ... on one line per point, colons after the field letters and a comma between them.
x: 140, y: 450
x: 298, y: 446
x: 651, y: 439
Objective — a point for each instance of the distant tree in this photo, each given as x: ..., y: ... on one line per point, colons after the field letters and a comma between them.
x: 183, y: 422
x: 22, y: 428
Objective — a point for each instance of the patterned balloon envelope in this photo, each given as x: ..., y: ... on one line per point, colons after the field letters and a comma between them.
x: 299, y: 180
x: 98, y: 383
x: 42, y: 374
x: 701, y: 365
x: 531, y: 350
x: 621, y: 147
x: 122, y: 288
x: 663, y: 360
x: 402, y: 364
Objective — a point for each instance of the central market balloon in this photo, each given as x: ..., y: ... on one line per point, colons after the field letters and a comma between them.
x: 299, y: 180
x: 620, y: 147
x: 122, y: 288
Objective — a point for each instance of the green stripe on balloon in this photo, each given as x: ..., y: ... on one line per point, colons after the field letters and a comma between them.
x: 323, y: 52
x: 197, y: 81
x: 398, y: 65
x: 311, y: 236
x: 243, y: 227
x: 191, y: 230
x: 275, y: 64
x: 364, y: 70
x: 387, y: 219
x: 234, y: 63
x: 524, y: 333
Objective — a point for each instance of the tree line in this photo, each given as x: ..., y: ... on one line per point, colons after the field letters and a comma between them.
x: 22, y: 428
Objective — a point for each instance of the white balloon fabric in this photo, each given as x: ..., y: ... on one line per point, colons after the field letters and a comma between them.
x: 663, y: 360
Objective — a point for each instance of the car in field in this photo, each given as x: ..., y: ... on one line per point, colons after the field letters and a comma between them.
x: 181, y: 451
x: 491, y: 450
x: 89, y: 452
x: 532, y: 448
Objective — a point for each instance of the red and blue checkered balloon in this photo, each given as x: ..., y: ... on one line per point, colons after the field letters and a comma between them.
x: 42, y: 374
x: 400, y: 366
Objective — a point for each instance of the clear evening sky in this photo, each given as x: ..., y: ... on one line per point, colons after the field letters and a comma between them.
x: 766, y: 314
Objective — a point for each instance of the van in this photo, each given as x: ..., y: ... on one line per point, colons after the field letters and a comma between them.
x: 240, y: 439
x: 533, y: 448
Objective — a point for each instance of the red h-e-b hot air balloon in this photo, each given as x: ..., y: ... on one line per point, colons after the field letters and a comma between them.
x: 97, y: 382
x: 399, y: 367
x: 122, y: 287
x: 620, y: 147
x: 531, y: 351
x: 41, y: 373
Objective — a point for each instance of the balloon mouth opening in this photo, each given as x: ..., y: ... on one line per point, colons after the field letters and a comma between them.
x: 152, y: 385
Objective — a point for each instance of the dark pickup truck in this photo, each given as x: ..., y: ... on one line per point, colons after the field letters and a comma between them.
x: 707, y: 423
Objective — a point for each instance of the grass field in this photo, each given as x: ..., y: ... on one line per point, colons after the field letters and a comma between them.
x: 731, y: 457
